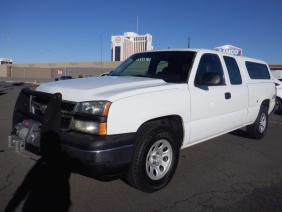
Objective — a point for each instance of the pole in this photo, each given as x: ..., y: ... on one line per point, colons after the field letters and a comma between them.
x: 8, y: 48
x: 101, y: 54
x: 188, y: 42
x: 65, y: 61
x: 137, y: 23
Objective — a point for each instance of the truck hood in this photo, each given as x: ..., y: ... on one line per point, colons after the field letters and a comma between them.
x: 109, y: 88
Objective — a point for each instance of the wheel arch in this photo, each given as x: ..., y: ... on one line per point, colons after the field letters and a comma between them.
x: 173, y: 121
x: 265, y: 103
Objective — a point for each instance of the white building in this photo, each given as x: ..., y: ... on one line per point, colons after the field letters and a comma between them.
x: 130, y: 43
x: 6, y: 61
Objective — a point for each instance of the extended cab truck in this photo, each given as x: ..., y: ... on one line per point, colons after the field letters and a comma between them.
x: 135, y: 121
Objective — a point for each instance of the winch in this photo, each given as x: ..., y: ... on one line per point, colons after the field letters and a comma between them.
x: 29, y: 131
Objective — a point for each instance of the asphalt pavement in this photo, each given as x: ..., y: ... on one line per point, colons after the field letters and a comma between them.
x: 228, y: 173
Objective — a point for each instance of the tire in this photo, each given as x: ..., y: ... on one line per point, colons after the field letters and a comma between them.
x: 155, y: 158
x: 258, y: 129
x: 278, y: 106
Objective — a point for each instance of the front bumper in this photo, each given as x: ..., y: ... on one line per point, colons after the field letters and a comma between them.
x: 114, y: 150
x: 100, y: 155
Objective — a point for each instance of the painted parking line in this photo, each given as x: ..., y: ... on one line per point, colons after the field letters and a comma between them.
x: 274, y: 122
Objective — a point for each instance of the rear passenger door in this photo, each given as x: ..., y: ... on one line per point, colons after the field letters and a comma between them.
x: 216, y: 108
x: 236, y: 85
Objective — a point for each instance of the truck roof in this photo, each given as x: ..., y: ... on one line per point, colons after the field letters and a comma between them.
x: 206, y: 51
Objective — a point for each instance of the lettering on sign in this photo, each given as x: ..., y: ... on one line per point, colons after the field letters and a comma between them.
x: 229, y: 50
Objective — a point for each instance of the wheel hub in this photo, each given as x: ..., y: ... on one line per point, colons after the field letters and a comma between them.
x: 156, y: 158
x: 159, y: 159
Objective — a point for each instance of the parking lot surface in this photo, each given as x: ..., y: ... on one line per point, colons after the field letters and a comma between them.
x: 228, y: 173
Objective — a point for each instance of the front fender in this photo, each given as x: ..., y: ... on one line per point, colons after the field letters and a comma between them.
x: 128, y: 114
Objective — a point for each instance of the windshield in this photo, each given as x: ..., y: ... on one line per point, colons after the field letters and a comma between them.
x: 171, y: 66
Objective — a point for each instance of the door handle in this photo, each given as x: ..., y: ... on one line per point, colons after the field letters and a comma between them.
x: 227, y: 95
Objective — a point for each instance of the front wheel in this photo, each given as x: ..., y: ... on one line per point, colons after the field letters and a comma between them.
x: 155, y: 158
x: 258, y: 129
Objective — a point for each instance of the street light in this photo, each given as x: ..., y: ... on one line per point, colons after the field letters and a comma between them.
x: 155, y: 46
x: 42, y: 53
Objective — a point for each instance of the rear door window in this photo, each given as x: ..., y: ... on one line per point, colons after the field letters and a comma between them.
x: 233, y: 70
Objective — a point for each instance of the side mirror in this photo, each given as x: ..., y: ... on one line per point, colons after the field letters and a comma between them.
x: 211, y: 78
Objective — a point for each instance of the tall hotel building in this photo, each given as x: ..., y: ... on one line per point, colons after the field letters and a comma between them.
x: 130, y: 43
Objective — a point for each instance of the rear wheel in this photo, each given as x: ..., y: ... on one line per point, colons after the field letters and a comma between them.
x: 278, y: 105
x: 258, y: 129
x: 155, y: 158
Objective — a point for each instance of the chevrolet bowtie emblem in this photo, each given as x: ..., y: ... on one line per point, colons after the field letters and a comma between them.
x: 43, y: 108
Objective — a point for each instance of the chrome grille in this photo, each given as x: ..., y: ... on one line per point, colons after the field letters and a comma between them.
x: 67, y: 111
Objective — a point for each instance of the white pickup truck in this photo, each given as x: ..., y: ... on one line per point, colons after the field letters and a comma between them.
x: 133, y: 123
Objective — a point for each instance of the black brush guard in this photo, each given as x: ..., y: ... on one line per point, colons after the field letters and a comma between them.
x: 50, y: 122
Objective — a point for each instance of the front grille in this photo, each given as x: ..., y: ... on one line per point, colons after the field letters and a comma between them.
x: 67, y: 111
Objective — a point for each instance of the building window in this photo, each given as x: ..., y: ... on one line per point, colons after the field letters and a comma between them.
x: 117, y: 53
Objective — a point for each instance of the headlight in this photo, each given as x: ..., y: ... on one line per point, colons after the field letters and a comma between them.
x: 94, y: 108
x: 86, y: 126
x: 91, y: 117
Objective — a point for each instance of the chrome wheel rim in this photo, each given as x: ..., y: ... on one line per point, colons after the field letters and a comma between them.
x: 262, y: 123
x: 159, y: 158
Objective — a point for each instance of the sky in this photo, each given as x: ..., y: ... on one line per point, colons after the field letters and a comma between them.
x: 46, y: 31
